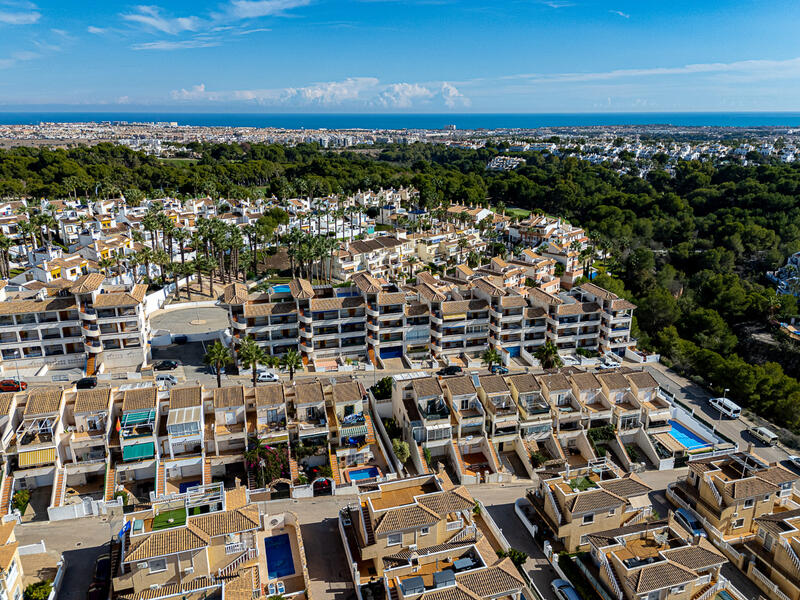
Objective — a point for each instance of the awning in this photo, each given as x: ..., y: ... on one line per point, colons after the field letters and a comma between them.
x: 642, y: 501
x: 669, y: 442
x: 455, y: 317
x: 36, y: 457
x: 138, y: 451
x: 138, y: 417
x: 354, y: 431
x: 189, y: 414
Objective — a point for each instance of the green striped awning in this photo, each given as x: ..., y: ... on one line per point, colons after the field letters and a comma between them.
x: 138, y: 451
x: 354, y: 431
x: 137, y: 417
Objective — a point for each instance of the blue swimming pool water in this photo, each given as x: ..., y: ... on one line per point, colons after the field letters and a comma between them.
x: 364, y: 473
x: 724, y: 595
x: 279, y: 556
x: 686, y: 437
x: 280, y: 289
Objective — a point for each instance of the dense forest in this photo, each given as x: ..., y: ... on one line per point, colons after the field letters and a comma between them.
x: 690, y: 249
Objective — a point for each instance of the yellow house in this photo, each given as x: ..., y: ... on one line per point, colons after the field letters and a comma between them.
x: 10, y: 564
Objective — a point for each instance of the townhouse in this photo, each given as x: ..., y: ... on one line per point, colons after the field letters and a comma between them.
x: 731, y: 492
x: 381, y: 256
x: 212, y: 543
x: 420, y: 538
x: 577, y: 503
x: 657, y: 560
x: 771, y: 557
x: 12, y: 582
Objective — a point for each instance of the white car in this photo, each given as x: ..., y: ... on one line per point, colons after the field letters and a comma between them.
x: 166, y: 380
x: 267, y: 377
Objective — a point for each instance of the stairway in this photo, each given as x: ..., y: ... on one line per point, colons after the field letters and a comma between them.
x: 294, y: 469
x: 425, y: 467
x: 497, y: 465
x: 371, y: 353
x: 207, y: 470
x: 161, y: 479
x: 91, y: 363
x: 59, y: 487
x: 702, y: 591
x: 110, y: 480
x: 368, y: 524
x: 305, y: 360
x: 334, y: 462
x: 462, y: 468
x: 370, y: 439
x: 5, y: 494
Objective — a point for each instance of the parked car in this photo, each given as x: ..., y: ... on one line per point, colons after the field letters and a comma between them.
x: 212, y: 370
x: 99, y: 587
x: 165, y: 365
x: 86, y: 383
x: 12, y: 385
x: 267, y: 377
x: 166, y: 379
x: 689, y: 522
x: 764, y: 435
x: 726, y: 407
x: 450, y: 370
x: 563, y: 590
x: 498, y: 370
x: 795, y: 460
x: 180, y: 339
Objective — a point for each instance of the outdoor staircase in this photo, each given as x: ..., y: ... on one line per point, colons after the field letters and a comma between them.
x: 60, y: 484
x: 108, y: 494
x: 367, y: 524
x: 370, y: 439
x: 371, y: 354
x: 393, y: 595
x: 251, y: 480
x: 425, y: 467
x: 294, y: 470
x: 334, y: 462
x: 305, y: 360
x: 5, y: 494
x: 462, y: 468
x: 702, y: 591
x: 161, y: 479
x: 496, y: 464
x: 207, y: 470
x: 91, y: 365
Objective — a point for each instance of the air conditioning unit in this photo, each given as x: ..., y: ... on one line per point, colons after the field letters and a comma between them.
x: 412, y: 547
x: 155, y: 586
x: 141, y: 565
x: 188, y: 570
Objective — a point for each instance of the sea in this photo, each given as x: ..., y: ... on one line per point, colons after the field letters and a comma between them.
x: 372, y: 121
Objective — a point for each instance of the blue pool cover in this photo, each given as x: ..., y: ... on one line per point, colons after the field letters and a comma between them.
x: 686, y: 437
x: 279, y: 556
x: 280, y: 289
x: 364, y: 473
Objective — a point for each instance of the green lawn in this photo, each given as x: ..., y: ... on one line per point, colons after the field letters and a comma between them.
x: 517, y: 212
x: 581, y: 483
x: 180, y: 161
x: 161, y: 521
x: 382, y: 227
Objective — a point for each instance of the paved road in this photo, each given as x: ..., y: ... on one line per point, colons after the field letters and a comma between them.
x: 696, y: 397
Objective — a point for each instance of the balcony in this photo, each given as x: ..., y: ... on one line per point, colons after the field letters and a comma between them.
x: 88, y: 313
x: 238, y: 323
x: 90, y: 329
x: 93, y: 346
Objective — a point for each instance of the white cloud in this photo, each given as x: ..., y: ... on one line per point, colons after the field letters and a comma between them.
x: 96, y: 30
x: 18, y: 57
x: 556, y: 3
x: 151, y: 17
x: 25, y: 17
x: 252, y: 9
x: 176, y: 45
x: 619, y: 13
x: 452, y: 97
x: 357, y: 92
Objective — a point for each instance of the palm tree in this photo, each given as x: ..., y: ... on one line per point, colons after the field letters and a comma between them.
x: 5, y: 264
x: 548, y: 356
x: 491, y: 357
x: 250, y: 353
x: 463, y: 244
x: 105, y: 264
x: 291, y: 361
x: 218, y: 356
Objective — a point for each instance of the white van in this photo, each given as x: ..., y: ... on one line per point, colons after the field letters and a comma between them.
x: 765, y: 435
x: 726, y: 407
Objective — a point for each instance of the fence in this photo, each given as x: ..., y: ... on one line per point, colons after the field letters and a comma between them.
x: 57, y: 580
x: 598, y: 587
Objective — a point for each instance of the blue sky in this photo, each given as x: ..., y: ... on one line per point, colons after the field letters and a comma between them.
x: 400, y: 56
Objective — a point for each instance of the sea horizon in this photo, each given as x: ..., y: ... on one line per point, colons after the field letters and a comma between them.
x: 410, y: 121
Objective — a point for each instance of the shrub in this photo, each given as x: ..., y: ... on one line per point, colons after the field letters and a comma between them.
x: 633, y: 453
x: 401, y: 450
x: 383, y: 389
x: 518, y: 557
x: 123, y: 495
x: 427, y: 454
x: 21, y: 500
x: 538, y: 459
x: 38, y: 591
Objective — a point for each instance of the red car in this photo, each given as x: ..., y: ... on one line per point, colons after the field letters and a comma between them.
x: 12, y: 385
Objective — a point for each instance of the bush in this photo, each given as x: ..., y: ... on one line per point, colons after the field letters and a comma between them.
x: 383, y: 389
x: 633, y: 453
x: 401, y: 450
x: 38, y: 591
x: 538, y: 459
x: 21, y: 500
x: 518, y: 557
x: 123, y: 495
x: 427, y: 454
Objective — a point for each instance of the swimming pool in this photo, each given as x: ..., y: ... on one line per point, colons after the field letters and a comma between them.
x: 365, y: 473
x: 279, y: 556
x: 686, y: 437
x: 280, y: 289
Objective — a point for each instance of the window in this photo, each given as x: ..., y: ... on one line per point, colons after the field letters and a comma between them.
x: 737, y: 524
x: 158, y: 565
x: 612, y: 511
x: 588, y: 518
x: 584, y: 540
x: 749, y: 503
x: 766, y: 497
x: 394, y: 539
x: 465, y: 404
x: 424, y: 531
